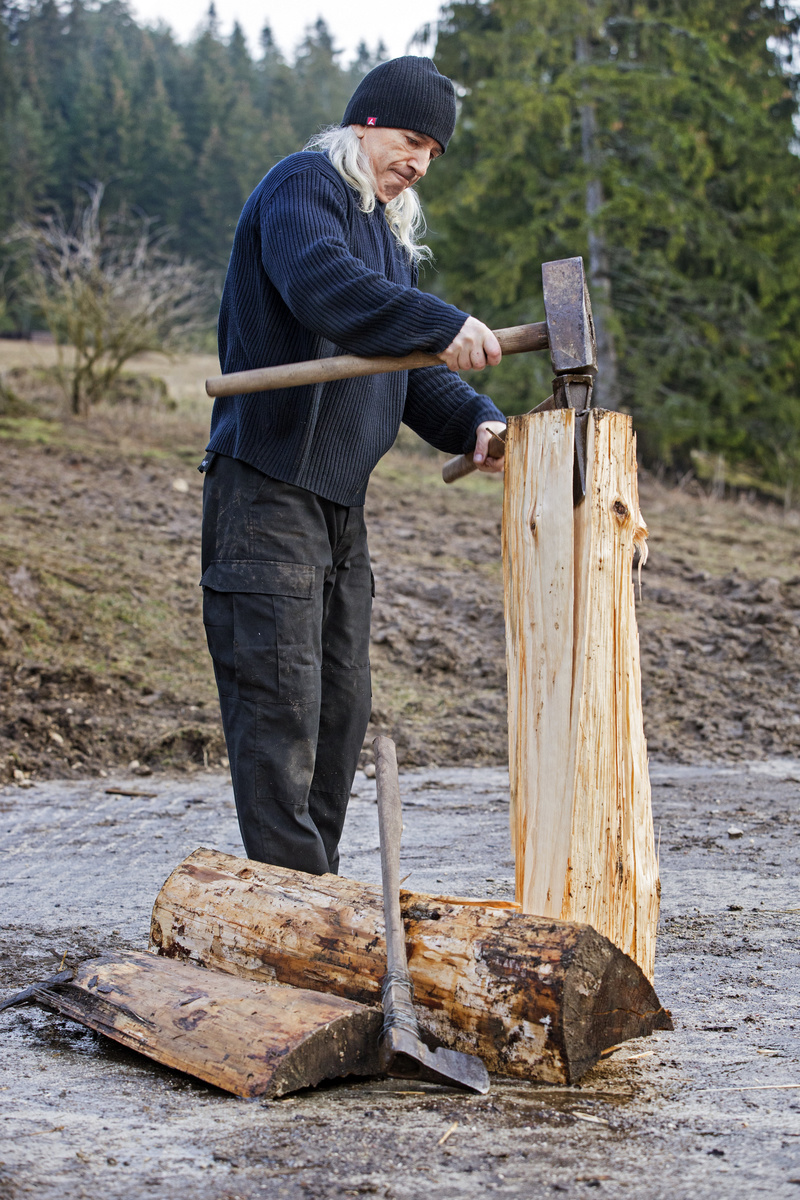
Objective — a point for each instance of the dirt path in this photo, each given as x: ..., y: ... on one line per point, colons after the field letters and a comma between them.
x: 662, y: 1118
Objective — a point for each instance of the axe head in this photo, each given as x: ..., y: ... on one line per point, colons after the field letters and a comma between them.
x: 568, y: 312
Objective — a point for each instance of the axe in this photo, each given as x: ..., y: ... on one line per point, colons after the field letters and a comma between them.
x: 567, y: 331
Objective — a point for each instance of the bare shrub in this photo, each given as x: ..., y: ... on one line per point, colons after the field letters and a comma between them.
x: 108, y: 289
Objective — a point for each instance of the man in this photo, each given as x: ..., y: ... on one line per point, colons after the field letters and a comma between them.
x: 324, y: 262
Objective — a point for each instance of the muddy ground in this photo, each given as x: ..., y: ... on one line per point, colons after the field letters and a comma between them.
x: 710, y: 1110
x: 105, y: 683
x: 102, y: 654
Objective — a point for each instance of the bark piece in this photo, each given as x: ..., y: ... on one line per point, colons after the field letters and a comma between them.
x: 535, y: 998
x: 581, y: 819
x: 245, y: 1036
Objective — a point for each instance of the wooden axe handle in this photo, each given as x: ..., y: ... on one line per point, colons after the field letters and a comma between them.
x: 516, y: 340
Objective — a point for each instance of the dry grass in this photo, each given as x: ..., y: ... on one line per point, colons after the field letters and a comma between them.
x: 184, y: 374
x: 98, y: 591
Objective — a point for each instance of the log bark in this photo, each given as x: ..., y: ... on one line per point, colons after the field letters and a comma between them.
x: 249, y: 1038
x: 581, y: 819
x: 535, y: 998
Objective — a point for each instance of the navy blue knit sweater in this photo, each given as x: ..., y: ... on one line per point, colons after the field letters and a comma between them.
x: 311, y: 275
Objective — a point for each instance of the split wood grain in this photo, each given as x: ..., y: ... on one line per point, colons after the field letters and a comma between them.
x: 581, y: 819
x: 535, y: 998
x: 247, y: 1037
x: 538, y: 554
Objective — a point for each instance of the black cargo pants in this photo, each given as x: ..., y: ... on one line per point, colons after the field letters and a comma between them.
x: 287, y: 599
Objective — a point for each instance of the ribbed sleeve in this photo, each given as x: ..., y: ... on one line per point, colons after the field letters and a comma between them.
x: 446, y: 411
x: 310, y: 275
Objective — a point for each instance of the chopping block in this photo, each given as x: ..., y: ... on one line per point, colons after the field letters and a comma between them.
x: 581, y: 815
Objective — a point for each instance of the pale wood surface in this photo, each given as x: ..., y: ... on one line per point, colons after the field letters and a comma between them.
x: 249, y: 1038
x: 538, y: 558
x: 613, y: 878
x: 581, y: 821
x: 534, y: 998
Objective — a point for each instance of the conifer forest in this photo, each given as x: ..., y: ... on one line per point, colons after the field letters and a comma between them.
x: 658, y: 139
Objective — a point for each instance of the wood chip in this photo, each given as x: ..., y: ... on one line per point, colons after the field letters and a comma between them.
x: 609, y: 1050
x: 128, y: 792
x: 754, y: 1087
x: 586, y: 1117
x: 447, y: 1133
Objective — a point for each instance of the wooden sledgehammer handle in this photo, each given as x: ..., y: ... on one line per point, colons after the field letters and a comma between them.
x: 457, y: 468
x: 516, y: 340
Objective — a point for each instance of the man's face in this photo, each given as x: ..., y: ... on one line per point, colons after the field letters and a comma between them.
x: 398, y: 157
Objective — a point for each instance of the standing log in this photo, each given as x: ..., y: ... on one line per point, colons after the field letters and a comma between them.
x: 534, y: 998
x: 249, y: 1038
x: 581, y: 820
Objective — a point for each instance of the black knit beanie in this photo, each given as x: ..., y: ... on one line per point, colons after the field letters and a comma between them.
x: 405, y: 93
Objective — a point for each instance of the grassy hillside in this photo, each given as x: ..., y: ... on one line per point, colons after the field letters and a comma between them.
x: 102, y: 653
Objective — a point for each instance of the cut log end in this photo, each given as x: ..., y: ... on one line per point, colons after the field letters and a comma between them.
x: 606, y: 1001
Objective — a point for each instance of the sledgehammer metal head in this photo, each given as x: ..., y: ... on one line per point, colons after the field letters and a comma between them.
x: 568, y: 315
x: 573, y: 350
x: 573, y: 354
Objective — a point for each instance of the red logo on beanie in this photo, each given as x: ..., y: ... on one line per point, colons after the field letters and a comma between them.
x: 372, y: 120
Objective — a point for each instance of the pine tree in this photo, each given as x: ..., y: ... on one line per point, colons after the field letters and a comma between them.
x: 235, y: 152
x: 160, y: 160
x: 322, y: 86
x: 692, y: 103
x: 274, y: 97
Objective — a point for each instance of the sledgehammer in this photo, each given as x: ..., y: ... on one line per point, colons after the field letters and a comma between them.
x: 568, y: 333
x: 402, y: 1051
x: 518, y: 339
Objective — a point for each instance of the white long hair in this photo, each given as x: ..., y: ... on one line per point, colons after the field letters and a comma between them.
x: 404, y: 214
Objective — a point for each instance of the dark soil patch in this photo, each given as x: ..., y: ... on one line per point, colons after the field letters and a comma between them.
x: 103, y: 659
x: 719, y: 634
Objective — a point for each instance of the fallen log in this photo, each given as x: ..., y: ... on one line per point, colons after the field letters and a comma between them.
x: 535, y: 998
x: 249, y: 1038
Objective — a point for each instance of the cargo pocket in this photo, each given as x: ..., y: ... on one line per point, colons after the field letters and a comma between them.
x: 275, y: 646
x: 218, y: 622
